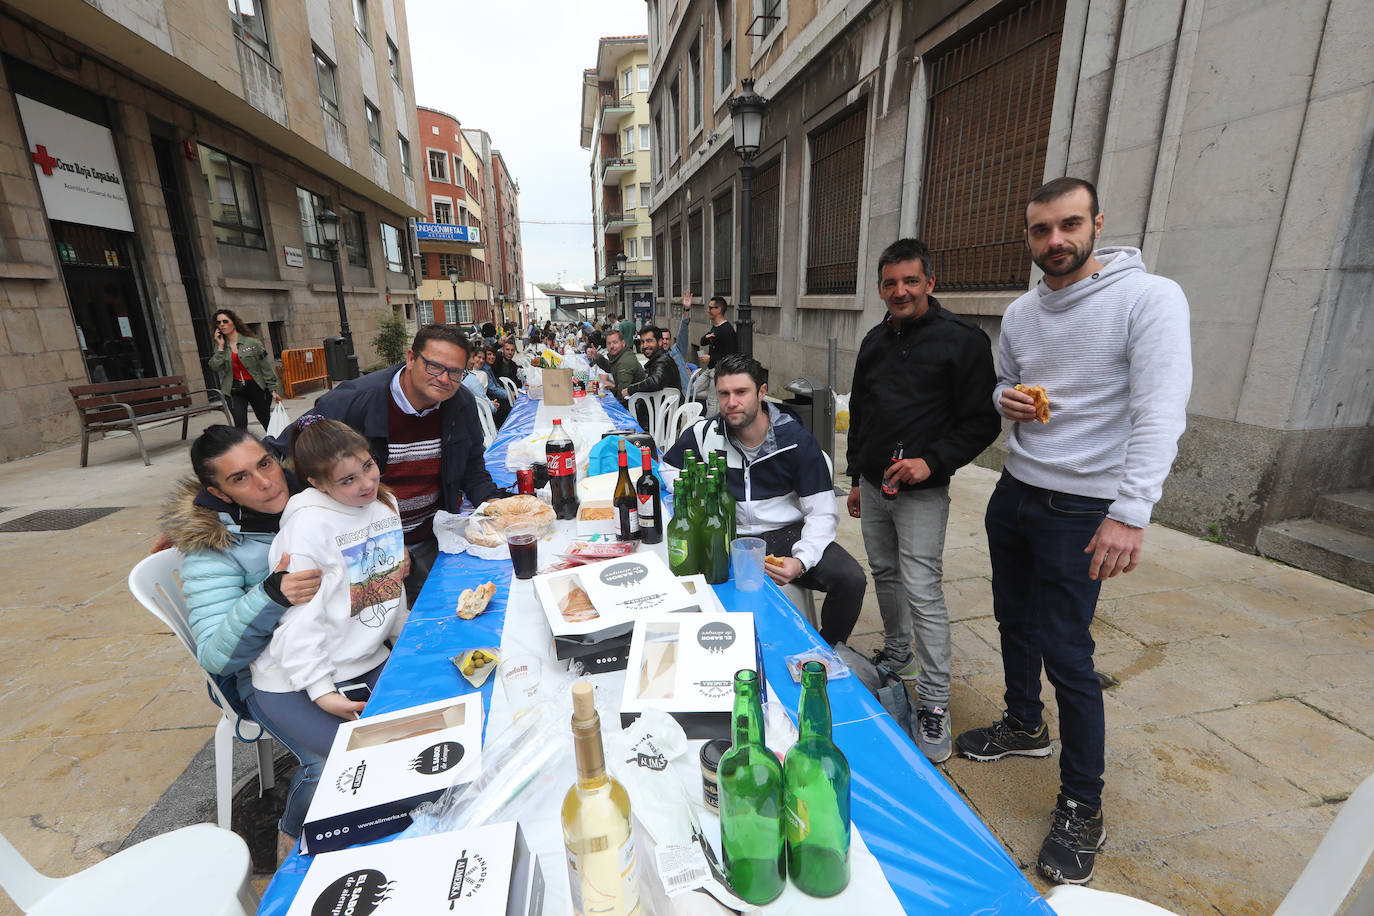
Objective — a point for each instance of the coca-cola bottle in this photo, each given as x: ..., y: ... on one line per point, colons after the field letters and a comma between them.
x: 562, y: 462
x: 890, y: 485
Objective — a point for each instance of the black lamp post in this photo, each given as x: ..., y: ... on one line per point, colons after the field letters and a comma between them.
x: 453, y: 278
x: 746, y: 111
x: 329, y: 225
x: 620, y: 261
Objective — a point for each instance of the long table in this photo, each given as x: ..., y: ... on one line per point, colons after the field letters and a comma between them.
x: 935, y: 853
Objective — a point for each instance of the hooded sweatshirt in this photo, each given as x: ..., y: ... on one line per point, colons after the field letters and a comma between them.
x: 341, y: 632
x: 1113, y: 353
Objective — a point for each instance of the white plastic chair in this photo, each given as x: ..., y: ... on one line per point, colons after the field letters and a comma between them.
x: 512, y: 389
x: 660, y: 405
x: 154, y: 582
x: 1076, y: 900
x: 684, y: 417
x: 487, y: 419
x: 1336, y: 865
x: 200, y: 869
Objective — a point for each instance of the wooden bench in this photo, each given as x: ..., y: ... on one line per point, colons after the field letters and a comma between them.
x: 134, y: 403
x: 302, y: 367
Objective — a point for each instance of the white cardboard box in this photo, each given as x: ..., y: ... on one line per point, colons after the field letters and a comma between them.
x: 685, y: 664
x: 381, y: 767
x: 480, y: 871
x: 600, y: 600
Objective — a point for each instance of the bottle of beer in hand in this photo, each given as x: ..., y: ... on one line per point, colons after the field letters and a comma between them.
x: 650, y: 505
x: 891, y: 486
x: 562, y: 464
x: 751, y: 813
x: 816, y: 795
x: 624, y: 503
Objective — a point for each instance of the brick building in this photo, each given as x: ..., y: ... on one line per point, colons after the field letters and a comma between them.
x: 455, y: 284
x: 158, y: 163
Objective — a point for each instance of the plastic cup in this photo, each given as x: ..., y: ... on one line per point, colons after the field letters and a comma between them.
x: 520, y: 678
x: 523, y: 540
x: 746, y: 561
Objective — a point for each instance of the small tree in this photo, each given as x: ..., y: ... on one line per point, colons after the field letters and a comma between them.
x: 393, y: 337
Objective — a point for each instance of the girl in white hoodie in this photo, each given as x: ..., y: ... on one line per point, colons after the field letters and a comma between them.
x: 346, y: 525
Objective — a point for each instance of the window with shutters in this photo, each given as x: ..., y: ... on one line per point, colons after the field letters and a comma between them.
x: 837, y: 186
x: 722, y: 251
x: 661, y: 270
x: 695, y: 227
x: 986, y: 135
x: 675, y: 252
x: 763, y: 230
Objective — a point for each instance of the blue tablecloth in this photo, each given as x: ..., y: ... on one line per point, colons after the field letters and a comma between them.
x: 936, y: 854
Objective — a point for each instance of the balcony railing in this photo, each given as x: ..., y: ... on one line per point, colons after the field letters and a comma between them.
x: 616, y: 165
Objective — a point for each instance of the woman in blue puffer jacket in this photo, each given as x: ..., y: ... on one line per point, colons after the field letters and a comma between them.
x: 223, y: 521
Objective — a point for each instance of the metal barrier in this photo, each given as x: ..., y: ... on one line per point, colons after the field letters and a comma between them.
x: 303, y: 368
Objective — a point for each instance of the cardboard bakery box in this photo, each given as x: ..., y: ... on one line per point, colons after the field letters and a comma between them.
x: 381, y: 767
x: 558, y: 387
x: 595, y: 516
x: 703, y: 593
x: 478, y: 871
x: 685, y: 664
x: 595, y: 657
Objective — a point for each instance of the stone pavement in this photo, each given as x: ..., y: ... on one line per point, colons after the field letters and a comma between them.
x: 1239, y: 723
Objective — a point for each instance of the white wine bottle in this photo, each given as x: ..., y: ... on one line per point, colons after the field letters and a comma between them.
x: 596, y: 824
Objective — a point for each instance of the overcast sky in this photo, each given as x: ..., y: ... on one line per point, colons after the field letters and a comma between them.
x: 514, y: 69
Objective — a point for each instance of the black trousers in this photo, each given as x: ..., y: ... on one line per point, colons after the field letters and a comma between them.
x: 838, y: 575
x: 242, y: 395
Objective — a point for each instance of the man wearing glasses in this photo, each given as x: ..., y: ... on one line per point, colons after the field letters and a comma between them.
x: 424, y: 433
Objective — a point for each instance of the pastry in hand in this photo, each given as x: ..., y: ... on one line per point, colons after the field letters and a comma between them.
x: 773, y: 561
x: 1041, y: 400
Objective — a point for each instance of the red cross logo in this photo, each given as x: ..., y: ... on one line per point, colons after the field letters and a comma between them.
x: 42, y: 159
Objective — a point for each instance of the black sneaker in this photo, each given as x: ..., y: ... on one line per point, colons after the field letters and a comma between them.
x: 904, y: 666
x: 1004, y: 737
x: 1068, y: 854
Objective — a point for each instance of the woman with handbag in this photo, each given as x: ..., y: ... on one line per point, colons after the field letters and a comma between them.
x: 243, y: 370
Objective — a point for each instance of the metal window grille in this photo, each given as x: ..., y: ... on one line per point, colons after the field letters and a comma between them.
x: 763, y: 230
x: 722, y: 249
x: 988, y: 129
x: 675, y: 240
x: 695, y: 246
x: 837, y: 187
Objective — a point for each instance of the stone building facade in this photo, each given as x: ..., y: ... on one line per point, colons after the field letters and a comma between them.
x: 220, y: 138
x: 1229, y: 141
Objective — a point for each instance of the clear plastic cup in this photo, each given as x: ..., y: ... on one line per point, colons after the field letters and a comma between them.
x: 520, y: 678
x: 746, y: 562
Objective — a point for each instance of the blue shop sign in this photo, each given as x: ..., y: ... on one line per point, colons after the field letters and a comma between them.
x: 442, y: 232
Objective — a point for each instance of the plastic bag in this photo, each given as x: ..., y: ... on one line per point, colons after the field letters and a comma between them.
x: 841, y: 412
x: 278, y: 422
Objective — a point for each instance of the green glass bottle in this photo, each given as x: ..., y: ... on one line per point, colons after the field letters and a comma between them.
x: 751, y: 815
x: 713, y: 536
x: 816, y: 795
x: 727, y: 499
x: 683, y: 558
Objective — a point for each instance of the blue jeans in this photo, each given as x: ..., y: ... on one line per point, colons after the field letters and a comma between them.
x: 307, y: 731
x: 1044, y: 604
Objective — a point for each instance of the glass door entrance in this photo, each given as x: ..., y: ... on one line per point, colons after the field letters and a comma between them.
x: 111, y: 326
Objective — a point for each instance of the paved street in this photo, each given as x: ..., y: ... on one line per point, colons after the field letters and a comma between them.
x: 1240, y: 720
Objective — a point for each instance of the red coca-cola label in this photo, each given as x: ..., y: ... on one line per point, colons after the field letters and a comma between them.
x: 562, y: 464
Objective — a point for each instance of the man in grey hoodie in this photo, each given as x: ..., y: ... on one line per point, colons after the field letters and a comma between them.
x: 1109, y: 343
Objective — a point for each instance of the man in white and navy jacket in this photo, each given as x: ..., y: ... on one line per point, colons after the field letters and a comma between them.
x: 783, y: 490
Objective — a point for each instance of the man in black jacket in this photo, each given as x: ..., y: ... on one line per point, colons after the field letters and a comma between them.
x: 660, y: 371
x: 421, y: 426
x: 920, y: 408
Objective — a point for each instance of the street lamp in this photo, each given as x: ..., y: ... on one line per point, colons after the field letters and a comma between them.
x: 329, y: 225
x: 620, y: 261
x: 746, y: 112
x: 453, y: 278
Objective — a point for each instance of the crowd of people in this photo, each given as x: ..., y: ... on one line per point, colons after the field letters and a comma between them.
x: 1103, y: 339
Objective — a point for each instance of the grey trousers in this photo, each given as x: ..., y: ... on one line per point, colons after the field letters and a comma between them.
x: 905, y: 542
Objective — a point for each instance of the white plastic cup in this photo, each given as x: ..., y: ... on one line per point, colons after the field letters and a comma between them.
x: 520, y: 678
x: 746, y: 562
